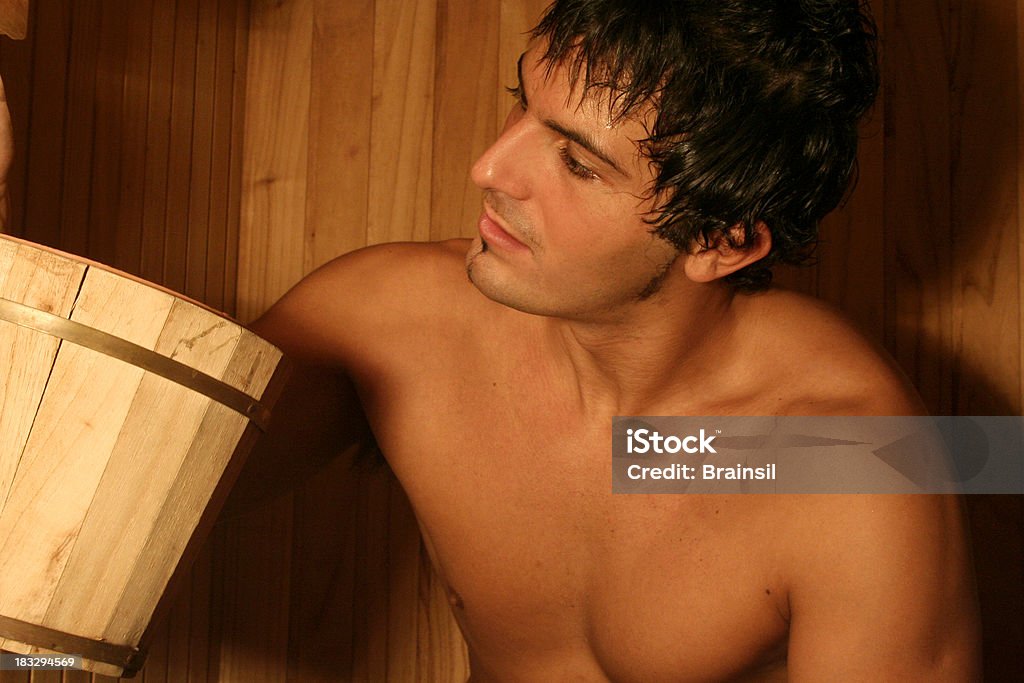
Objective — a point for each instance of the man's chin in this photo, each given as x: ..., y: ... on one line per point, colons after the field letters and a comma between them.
x: 480, y: 270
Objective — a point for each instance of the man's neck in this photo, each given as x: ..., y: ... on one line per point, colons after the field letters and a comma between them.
x: 668, y: 349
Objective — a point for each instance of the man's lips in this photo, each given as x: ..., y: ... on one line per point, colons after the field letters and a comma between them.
x: 494, y: 233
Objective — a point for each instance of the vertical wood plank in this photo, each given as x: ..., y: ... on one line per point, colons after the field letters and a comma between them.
x: 1019, y: 64
x: 79, y: 124
x: 183, y: 96
x: 46, y: 677
x: 128, y: 214
x: 255, y: 609
x: 464, y: 110
x: 235, y: 191
x: 276, y: 153
x: 324, y: 575
x: 402, y: 605
x: 107, y: 132
x: 15, y: 677
x: 917, y: 175
x: 45, y: 282
x: 984, y: 203
x: 339, y: 149
x: 200, y: 596
x: 179, y: 636
x: 200, y: 168
x: 158, y: 132
x: 401, y: 134
x: 72, y: 676
x: 44, y: 146
x: 218, y: 234
x: 371, y: 598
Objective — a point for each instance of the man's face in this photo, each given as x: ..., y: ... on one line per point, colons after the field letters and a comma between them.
x: 565, y: 193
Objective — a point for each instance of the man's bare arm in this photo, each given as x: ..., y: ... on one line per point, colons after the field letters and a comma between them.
x: 884, y: 592
x: 358, y: 323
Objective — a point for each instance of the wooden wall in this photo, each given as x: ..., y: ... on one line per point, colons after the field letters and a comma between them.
x: 361, y: 119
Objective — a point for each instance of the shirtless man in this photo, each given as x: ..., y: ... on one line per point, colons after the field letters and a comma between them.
x: 658, y: 157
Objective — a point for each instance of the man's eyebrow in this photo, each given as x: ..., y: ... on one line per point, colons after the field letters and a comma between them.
x: 579, y: 138
x: 584, y: 142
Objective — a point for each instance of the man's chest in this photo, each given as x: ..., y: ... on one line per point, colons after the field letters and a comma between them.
x: 513, y: 494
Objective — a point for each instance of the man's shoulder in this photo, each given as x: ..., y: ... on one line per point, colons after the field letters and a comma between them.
x: 821, y: 361
x: 397, y: 279
x: 413, y: 266
x: 375, y: 297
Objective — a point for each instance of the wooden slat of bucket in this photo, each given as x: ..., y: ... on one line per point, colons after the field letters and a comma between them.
x: 250, y: 370
x: 118, y: 524
x: 41, y: 280
x: 87, y: 399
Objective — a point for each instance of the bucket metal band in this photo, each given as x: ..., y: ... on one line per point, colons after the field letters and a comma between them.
x: 139, y: 356
x: 128, y: 658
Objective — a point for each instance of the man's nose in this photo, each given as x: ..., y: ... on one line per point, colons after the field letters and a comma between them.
x: 503, y: 166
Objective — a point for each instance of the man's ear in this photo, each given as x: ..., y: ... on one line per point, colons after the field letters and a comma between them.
x: 720, y: 258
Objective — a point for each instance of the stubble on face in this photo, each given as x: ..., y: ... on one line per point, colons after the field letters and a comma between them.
x: 654, y: 286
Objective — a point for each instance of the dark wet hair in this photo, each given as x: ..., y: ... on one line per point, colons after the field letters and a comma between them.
x: 756, y: 101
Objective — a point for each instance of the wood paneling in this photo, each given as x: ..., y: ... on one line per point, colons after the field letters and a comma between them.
x: 128, y: 118
x: 361, y: 121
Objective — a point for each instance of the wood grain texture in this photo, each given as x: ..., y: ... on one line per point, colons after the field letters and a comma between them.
x: 183, y: 103
x: 227, y: 116
x: 40, y: 280
x: 128, y: 118
x: 1019, y: 63
x: 402, y: 121
x: 201, y: 161
x: 102, y: 562
x: 466, y: 104
x: 88, y: 396
x: 46, y: 109
x: 276, y: 152
x: 158, y: 150
x: 131, y: 139
x: 339, y: 146
x: 78, y: 125
x: 918, y: 175
x: 107, y: 131
x: 984, y: 200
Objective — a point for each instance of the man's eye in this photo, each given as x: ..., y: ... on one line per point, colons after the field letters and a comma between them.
x: 574, y: 166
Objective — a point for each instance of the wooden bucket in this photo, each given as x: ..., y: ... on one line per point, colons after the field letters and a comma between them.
x: 125, y: 414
